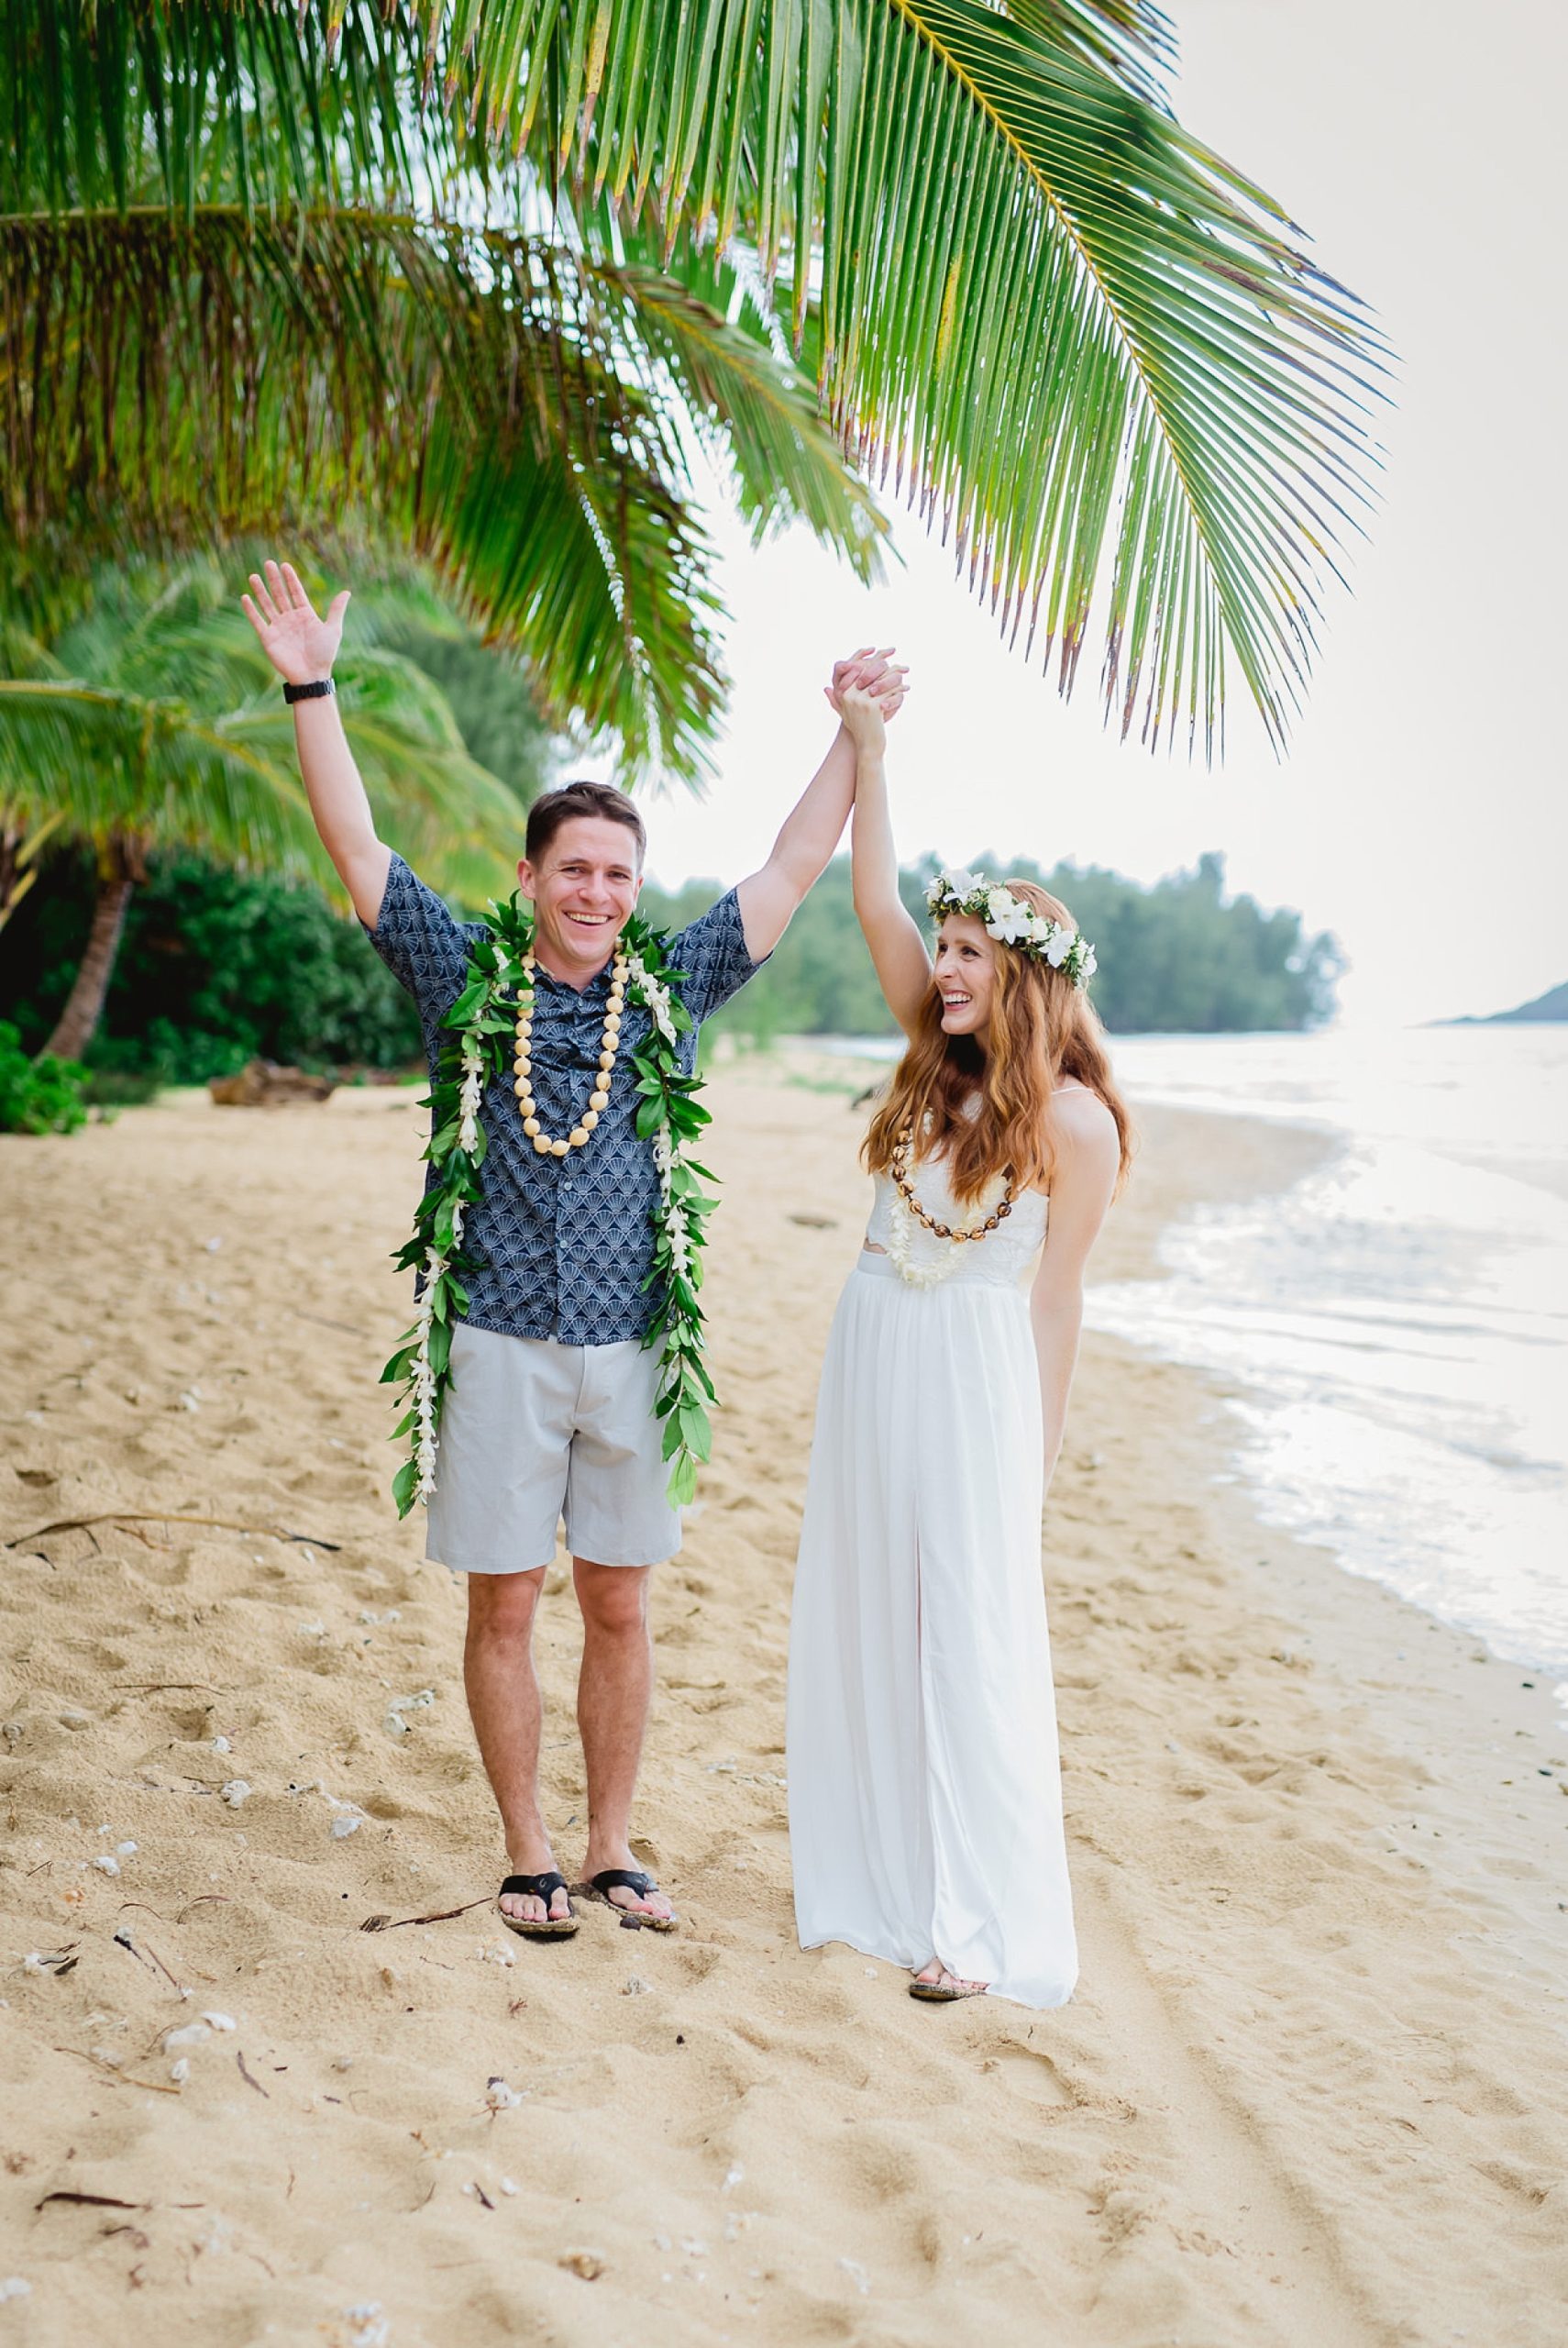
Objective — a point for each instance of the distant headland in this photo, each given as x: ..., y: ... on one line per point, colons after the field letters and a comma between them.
x: 1547, y: 1010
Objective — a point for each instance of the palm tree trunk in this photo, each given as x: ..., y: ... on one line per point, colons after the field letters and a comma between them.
x: 84, y: 1005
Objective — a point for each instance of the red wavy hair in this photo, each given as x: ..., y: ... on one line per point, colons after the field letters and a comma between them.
x: 1042, y: 1031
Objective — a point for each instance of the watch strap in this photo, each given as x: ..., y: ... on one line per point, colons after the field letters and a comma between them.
x: 317, y: 689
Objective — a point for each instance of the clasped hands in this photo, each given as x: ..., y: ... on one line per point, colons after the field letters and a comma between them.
x: 867, y: 689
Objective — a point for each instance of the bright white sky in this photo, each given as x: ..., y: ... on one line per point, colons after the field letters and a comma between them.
x: 1419, y: 813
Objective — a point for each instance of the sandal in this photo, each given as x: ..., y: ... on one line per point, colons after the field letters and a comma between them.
x: 630, y: 1880
x: 538, y: 1886
x: 946, y: 1989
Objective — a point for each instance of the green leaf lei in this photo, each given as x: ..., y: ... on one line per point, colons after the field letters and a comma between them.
x: 668, y: 1117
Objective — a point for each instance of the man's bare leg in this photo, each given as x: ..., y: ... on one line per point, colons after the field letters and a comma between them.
x: 613, y: 1694
x: 503, y: 1704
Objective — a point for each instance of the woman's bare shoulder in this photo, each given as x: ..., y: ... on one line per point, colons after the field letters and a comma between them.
x: 1085, y: 1132
x: 1080, y: 1114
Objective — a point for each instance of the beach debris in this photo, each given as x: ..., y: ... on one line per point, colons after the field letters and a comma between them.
x: 693, y: 2246
x: 106, y: 1864
x: 222, y: 1744
x: 367, y: 2326
x: 263, y: 1084
x: 733, y: 2177
x: 89, y: 2200
x: 857, y: 2274
x: 588, y: 2264
x: 126, y: 1850
x: 436, y: 1916
x: 219, y: 2022
x: 312, y: 1630
x: 181, y: 2071
x: 245, y: 2074
x: 372, y: 1615
x: 636, y: 1987
x: 236, y: 1792
x: 56, y: 1961
x: 160, y: 1516
x: 347, y: 1822
x: 191, y: 1398
x: 16, y: 2287
x: 192, y: 2034
x: 500, y: 2096
x: 394, y: 1723
x: 507, y: 2187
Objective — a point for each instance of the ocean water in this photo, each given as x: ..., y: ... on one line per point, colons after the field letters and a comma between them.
x: 1392, y: 1330
x: 1394, y: 1326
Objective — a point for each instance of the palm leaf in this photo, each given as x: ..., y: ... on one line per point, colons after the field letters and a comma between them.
x: 170, y: 381
x: 96, y: 738
x: 1094, y: 356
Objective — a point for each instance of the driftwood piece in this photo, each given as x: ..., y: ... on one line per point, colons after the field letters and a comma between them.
x: 169, y: 1516
x: 264, y: 1084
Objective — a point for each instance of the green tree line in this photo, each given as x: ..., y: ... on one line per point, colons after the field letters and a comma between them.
x: 1180, y: 957
x: 216, y: 966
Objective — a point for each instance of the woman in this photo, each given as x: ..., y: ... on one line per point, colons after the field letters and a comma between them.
x: 925, y: 1806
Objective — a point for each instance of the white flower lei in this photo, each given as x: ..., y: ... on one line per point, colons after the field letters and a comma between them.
x: 1012, y: 921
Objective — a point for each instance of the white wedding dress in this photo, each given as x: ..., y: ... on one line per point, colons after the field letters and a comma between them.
x: 925, y: 1798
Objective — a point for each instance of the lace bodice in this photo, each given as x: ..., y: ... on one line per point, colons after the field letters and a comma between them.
x: 1001, y: 1259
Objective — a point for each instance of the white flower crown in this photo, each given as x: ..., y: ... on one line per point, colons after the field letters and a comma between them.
x: 1014, y: 922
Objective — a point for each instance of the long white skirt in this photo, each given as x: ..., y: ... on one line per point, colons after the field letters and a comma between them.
x: 925, y: 1795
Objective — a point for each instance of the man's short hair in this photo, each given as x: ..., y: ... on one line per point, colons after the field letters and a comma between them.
x: 602, y: 799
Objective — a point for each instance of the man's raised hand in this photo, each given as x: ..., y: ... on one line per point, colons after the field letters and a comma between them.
x: 301, y: 645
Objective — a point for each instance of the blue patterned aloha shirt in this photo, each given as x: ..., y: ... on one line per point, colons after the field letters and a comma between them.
x: 566, y: 1243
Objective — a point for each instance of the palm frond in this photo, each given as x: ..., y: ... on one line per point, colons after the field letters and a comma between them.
x: 712, y: 333
x: 1131, y: 40
x: 111, y: 762
x: 1089, y: 351
x: 102, y: 762
x: 173, y: 382
x: 1092, y: 354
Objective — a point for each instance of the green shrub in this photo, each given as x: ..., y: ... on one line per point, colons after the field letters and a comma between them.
x: 41, y: 1096
x: 214, y: 968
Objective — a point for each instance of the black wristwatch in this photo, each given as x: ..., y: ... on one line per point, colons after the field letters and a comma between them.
x: 316, y: 690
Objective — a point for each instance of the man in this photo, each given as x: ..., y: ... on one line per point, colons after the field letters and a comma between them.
x: 551, y: 1409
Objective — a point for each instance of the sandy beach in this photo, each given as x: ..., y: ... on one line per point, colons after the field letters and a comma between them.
x: 1312, y: 2089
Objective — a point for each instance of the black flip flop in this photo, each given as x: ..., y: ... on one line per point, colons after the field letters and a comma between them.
x: 630, y: 1880
x: 948, y: 1990
x: 537, y: 1886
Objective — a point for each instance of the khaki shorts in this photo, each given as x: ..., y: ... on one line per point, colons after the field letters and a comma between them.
x: 532, y: 1432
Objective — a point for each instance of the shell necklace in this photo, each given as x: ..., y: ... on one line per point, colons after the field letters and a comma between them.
x: 523, y: 1063
x: 908, y: 1211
